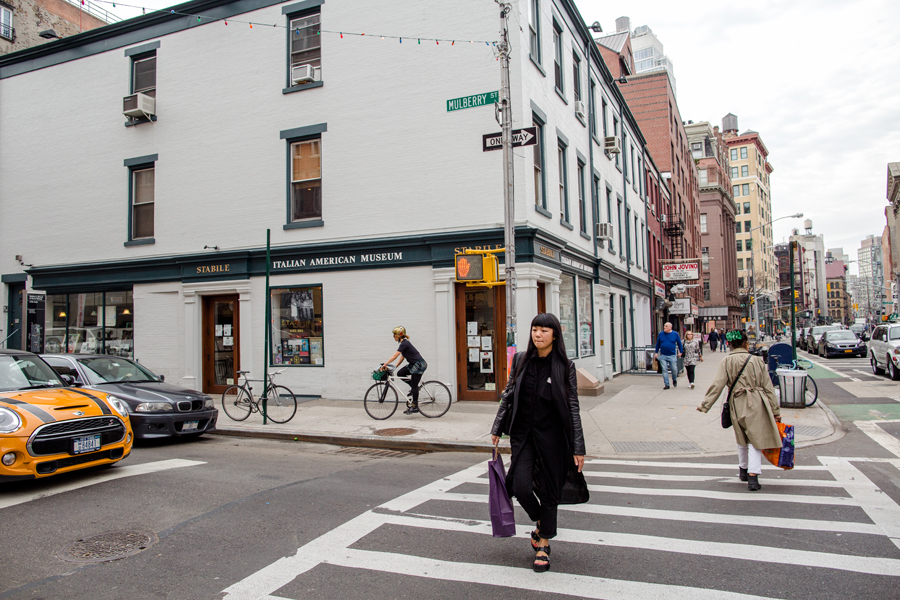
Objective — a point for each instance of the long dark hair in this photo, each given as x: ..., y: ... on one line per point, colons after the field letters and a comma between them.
x: 549, y: 321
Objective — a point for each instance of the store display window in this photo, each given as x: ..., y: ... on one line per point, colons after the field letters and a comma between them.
x: 297, y: 337
x: 90, y: 323
x: 567, y: 317
x: 585, y: 318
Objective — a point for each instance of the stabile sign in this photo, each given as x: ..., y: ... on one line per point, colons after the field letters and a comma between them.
x: 520, y: 137
x: 686, y: 271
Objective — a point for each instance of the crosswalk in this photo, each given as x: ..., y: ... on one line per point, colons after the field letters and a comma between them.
x: 820, y: 522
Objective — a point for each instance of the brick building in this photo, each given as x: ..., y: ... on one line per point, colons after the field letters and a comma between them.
x: 838, y: 299
x: 27, y: 23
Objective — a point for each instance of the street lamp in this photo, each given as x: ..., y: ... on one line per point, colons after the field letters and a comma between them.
x: 753, y: 266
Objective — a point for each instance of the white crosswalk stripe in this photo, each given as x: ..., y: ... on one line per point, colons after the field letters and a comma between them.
x: 864, y: 511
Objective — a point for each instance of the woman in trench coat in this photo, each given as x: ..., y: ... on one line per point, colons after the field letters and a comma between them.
x: 539, y: 410
x: 754, y: 406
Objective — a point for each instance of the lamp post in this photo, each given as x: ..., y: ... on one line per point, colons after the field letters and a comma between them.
x: 753, y: 267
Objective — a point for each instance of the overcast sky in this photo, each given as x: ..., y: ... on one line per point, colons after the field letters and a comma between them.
x: 818, y: 79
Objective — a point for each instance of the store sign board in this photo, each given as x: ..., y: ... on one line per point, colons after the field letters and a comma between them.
x: 358, y: 259
x: 660, y: 288
x: 682, y: 306
x: 554, y: 255
x: 695, y: 310
x: 687, y: 271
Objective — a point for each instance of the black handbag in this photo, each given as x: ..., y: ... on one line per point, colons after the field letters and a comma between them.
x: 726, y: 408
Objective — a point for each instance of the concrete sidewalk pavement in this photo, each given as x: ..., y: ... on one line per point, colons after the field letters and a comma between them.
x: 633, y: 418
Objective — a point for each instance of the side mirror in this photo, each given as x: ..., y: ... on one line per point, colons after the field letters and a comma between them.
x: 68, y: 380
x: 162, y: 377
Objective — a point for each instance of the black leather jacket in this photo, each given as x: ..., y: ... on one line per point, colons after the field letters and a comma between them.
x: 566, y: 402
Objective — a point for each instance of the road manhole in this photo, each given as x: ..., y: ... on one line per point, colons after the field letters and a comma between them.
x: 395, y: 431
x: 107, y: 546
x: 377, y: 452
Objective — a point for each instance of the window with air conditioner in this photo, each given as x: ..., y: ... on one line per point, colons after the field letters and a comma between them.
x: 305, y: 52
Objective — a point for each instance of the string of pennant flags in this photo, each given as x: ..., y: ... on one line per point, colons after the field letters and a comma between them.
x: 207, y: 19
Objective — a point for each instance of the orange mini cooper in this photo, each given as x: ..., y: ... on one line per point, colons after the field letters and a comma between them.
x: 47, y: 428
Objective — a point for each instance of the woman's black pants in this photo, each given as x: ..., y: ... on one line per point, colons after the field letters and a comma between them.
x: 690, y: 372
x: 523, y: 489
x: 413, y: 382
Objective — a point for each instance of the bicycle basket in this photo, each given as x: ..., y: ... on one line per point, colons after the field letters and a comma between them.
x: 379, y: 375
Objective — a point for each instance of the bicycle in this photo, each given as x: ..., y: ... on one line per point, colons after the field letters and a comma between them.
x: 382, y: 398
x: 238, y: 401
x: 812, y: 390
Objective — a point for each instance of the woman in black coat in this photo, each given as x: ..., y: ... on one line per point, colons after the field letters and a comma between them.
x: 539, y: 410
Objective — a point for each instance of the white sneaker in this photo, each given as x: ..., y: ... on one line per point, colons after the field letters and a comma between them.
x: 692, y: 386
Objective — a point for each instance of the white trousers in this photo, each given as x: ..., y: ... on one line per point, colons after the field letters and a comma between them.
x: 750, y: 458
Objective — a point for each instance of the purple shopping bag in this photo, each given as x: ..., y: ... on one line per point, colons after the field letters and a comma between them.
x: 503, y: 520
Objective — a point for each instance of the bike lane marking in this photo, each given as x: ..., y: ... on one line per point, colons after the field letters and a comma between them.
x: 879, y: 435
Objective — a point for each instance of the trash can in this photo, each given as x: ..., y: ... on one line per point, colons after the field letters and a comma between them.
x: 793, y: 388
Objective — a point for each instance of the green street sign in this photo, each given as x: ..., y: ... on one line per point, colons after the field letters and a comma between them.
x: 473, y: 101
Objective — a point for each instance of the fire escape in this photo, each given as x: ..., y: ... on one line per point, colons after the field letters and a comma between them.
x: 673, y: 227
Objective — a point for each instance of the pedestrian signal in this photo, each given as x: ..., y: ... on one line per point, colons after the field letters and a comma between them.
x: 477, y: 268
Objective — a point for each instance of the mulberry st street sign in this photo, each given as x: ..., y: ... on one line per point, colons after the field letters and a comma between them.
x: 473, y: 101
x: 520, y: 137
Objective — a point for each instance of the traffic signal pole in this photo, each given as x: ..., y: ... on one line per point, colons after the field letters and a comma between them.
x: 793, y: 305
x: 509, y: 215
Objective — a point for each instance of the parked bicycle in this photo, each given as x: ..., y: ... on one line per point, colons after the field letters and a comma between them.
x: 382, y: 398
x: 238, y: 401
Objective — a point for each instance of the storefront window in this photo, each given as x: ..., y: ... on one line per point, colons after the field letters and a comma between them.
x: 585, y: 318
x: 481, y: 338
x: 90, y: 323
x: 297, y: 326
x: 567, y: 314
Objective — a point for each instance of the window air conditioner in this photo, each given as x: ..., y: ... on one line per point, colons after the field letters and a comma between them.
x: 303, y: 74
x: 604, y: 231
x: 579, y: 108
x: 662, y: 218
x: 611, y: 145
x: 138, y: 105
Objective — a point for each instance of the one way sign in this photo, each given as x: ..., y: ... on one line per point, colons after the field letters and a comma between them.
x: 520, y: 137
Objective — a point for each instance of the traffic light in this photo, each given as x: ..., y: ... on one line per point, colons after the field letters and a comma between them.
x: 796, y: 293
x: 477, y: 268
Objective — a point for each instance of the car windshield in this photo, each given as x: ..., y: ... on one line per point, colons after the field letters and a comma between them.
x: 23, y: 372
x: 857, y: 328
x: 894, y: 333
x: 107, y: 369
x: 821, y: 330
x: 832, y: 336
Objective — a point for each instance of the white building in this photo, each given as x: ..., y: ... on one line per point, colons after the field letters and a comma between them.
x: 813, y: 268
x: 146, y: 236
x: 648, y: 52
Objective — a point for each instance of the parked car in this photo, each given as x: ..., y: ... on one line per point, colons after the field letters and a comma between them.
x: 47, y: 428
x: 157, y: 409
x: 815, y: 333
x: 884, y: 350
x: 801, y: 337
x: 841, y: 343
x: 860, y: 330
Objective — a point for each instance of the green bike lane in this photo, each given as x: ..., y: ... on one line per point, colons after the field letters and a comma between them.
x: 851, y: 393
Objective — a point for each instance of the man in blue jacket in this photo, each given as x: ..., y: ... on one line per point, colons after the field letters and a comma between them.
x: 668, y: 349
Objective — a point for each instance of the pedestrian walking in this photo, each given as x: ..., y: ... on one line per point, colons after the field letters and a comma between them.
x: 753, y: 406
x: 668, y: 349
x: 713, y: 340
x: 723, y: 341
x: 539, y: 410
x: 693, y: 353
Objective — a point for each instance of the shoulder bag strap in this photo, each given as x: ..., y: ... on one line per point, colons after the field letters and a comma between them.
x: 741, y: 372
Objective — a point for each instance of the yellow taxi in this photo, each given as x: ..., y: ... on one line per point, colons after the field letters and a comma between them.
x: 47, y: 428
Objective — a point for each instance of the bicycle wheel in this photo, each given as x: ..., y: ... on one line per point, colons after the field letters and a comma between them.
x: 281, y: 405
x: 434, y: 399
x: 812, y: 391
x: 380, y: 401
x: 236, y: 403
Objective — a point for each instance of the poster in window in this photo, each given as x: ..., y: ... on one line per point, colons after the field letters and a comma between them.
x: 472, y: 328
x: 219, y: 331
x: 226, y: 329
x: 487, y: 362
x: 485, y: 342
x: 473, y: 355
x: 473, y: 341
x: 228, y: 342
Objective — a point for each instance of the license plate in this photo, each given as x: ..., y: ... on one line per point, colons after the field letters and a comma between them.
x: 848, y: 351
x: 85, y: 444
x: 189, y: 426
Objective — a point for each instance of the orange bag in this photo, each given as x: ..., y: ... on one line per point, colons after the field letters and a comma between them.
x: 782, y: 457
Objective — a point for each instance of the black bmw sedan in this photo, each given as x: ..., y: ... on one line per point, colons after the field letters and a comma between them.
x: 157, y: 409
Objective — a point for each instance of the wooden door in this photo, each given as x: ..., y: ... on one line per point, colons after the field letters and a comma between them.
x: 221, y: 342
x: 542, y: 297
x: 482, y: 311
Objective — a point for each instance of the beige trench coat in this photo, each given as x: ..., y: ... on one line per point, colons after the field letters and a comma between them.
x: 754, y: 405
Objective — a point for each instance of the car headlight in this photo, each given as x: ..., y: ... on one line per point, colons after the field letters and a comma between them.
x: 119, y: 405
x: 9, y: 420
x: 209, y: 403
x: 153, y: 407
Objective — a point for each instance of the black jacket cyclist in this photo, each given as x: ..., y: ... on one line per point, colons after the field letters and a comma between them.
x: 416, y: 365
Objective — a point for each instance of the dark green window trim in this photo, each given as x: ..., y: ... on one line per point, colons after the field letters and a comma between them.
x: 537, y: 115
x: 135, y: 164
x: 300, y: 88
x: 537, y: 65
x: 305, y: 224
x: 537, y: 110
x: 140, y: 242
x: 299, y: 134
x: 543, y: 211
x: 303, y: 132
x: 14, y: 278
x: 567, y: 225
x: 141, y: 161
x: 145, y: 49
x: 291, y: 9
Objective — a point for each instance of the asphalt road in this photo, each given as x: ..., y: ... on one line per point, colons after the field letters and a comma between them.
x: 230, y: 515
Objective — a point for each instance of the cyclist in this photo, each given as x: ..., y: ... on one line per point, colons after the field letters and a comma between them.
x: 416, y: 365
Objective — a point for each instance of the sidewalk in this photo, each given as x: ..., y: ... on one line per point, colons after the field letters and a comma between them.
x: 634, y: 418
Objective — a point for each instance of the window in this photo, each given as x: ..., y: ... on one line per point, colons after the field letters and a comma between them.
x: 697, y: 149
x: 744, y: 152
x: 740, y: 264
x: 582, y: 206
x: 567, y: 317
x: 704, y: 180
x: 306, y: 43
x: 735, y: 190
x: 603, y: 115
x: 91, y: 323
x: 745, y: 171
x: 306, y: 179
x: 575, y: 310
x: 592, y: 109
x: 143, y: 74
x: 558, y: 58
x: 734, y: 172
x: 297, y: 326
x: 703, y: 223
x: 563, y: 183
x: 633, y: 176
x: 619, y: 228
x: 706, y: 289
x: 539, y: 196
x: 747, y: 226
x: 745, y: 189
x: 749, y: 245
x: 142, y: 202
x: 6, y: 24
x: 740, y: 246
x: 746, y: 208
x: 534, y: 30
x: 616, y: 134
x: 609, y: 215
x: 737, y: 227
x: 585, y: 318
x: 734, y: 154
x: 624, y: 155
x: 576, y: 77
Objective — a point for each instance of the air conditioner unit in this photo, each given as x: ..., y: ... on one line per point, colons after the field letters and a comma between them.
x: 611, y: 145
x: 604, y: 231
x: 138, y: 105
x: 579, y: 109
x: 662, y: 218
x: 303, y: 74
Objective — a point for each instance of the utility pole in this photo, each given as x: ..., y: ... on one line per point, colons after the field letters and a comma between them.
x: 793, y: 304
x: 509, y: 214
